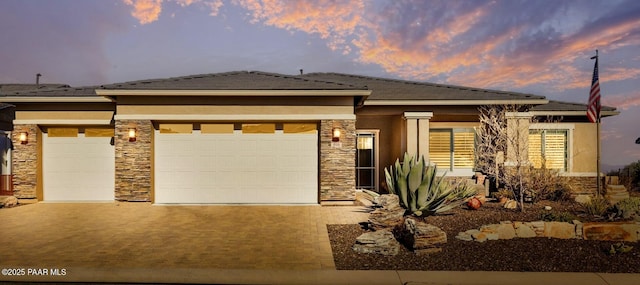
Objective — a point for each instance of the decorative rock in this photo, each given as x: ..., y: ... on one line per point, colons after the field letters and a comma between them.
x: 524, y: 231
x: 538, y: 227
x: 559, y: 230
x: 464, y: 236
x: 578, y: 228
x: 422, y: 236
x: 583, y: 199
x: 479, y: 237
x: 390, y: 215
x: 481, y: 198
x: 384, y: 218
x: 493, y: 237
x: 473, y: 231
x: 610, y: 231
x: 474, y: 203
x: 8, y: 201
x: 388, y: 201
x: 511, y: 204
x: 506, y: 231
x: 380, y: 242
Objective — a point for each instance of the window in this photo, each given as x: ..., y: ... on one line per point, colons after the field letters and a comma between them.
x: 259, y: 128
x: 176, y: 128
x: 452, y: 148
x: 366, y: 160
x: 548, y: 149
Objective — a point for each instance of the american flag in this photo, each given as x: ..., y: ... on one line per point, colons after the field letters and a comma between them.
x: 593, y: 109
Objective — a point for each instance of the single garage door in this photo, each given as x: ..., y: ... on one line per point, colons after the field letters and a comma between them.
x: 78, y: 164
x: 257, y: 164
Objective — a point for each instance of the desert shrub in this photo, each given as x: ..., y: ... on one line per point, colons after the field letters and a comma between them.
x: 618, y: 248
x: 502, y: 192
x: 630, y: 176
x: 627, y: 208
x: 421, y: 191
x: 596, y: 207
x: 539, y: 184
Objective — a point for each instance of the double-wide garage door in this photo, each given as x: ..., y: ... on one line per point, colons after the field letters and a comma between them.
x: 222, y: 163
x: 78, y: 164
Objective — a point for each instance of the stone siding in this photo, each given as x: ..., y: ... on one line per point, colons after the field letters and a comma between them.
x: 337, y: 161
x: 133, y: 161
x: 25, y: 162
x: 585, y: 185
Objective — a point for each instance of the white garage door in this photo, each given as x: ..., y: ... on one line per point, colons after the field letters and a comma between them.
x: 236, y: 167
x: 78, y: 168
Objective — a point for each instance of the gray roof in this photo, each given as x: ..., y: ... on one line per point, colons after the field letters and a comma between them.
x: 393, y: 89
x: 60, y: 91
x: 236, y: 80
x: 567, y: 106
x: 14, y: 87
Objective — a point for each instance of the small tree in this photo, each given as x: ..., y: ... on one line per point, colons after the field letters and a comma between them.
x: 491, y: 139
x: 494, y: 136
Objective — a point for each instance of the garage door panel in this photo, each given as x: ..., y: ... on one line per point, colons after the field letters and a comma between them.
x: 78, y: 168
x: 237, y: 168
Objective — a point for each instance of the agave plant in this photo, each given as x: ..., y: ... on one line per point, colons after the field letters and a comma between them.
x: 420, y: 191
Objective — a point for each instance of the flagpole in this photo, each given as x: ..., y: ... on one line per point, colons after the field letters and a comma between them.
x: 598, y: 159
x: 598, y: 180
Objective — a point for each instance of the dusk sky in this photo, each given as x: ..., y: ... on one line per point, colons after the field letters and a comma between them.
x: 538, y: 47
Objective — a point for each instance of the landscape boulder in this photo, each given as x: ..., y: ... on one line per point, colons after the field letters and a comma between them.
x: 511, y: 204
x: 380, y: 242
x: 610, y: 231
x: 559, y: 230
x: 423, y: 238
x: 524, y: 230
x: 388, y: 214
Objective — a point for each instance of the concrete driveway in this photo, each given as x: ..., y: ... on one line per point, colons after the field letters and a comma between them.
x: 145, y: 236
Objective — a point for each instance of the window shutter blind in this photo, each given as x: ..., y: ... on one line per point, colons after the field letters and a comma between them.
x: 535, y: 148
x: 463, y: 149
x: 555, y: 149
x: 440, y: 148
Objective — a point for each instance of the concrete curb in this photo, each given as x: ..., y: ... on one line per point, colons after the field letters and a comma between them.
x: 246, y: 276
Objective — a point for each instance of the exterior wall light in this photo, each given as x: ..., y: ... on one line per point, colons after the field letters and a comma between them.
x: 24, y: 138
x: 132, y: 135
x: 335, y: 137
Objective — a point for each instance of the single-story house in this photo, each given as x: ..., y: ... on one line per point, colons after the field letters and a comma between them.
x: 263, y: 138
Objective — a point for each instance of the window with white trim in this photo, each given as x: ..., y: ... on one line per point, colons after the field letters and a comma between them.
x: 548, y: 148
x: 367, y: 160
x: 452, y: 148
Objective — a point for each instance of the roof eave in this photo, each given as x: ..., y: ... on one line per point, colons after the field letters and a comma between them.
x: 427, y: 102
x: 293, y: 93
x: 53, y: 99
x: 572, y: 113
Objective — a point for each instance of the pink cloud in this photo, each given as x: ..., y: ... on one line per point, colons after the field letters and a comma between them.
x: 331, y: 20
x: 468, y: 43
x: 146, y: 11
x: 622, y: 101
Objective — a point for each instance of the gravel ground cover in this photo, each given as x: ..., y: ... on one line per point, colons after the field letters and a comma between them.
x: 519, y: 254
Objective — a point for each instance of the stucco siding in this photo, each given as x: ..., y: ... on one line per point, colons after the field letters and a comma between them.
x: 584, y: 148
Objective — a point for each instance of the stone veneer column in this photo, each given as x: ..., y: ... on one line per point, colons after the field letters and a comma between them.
x: 133, y: 161
x: 338, y: 161
x: 24, y: 161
